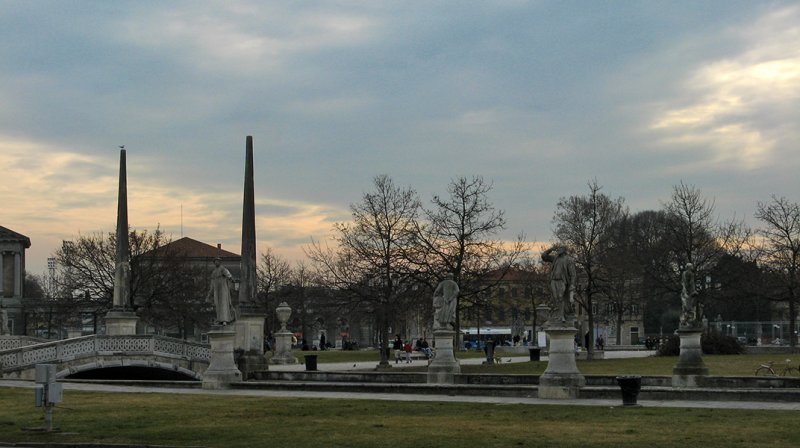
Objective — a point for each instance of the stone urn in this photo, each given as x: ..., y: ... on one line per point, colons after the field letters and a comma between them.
x: 284, y: 311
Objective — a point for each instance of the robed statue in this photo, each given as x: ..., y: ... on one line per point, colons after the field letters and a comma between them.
x: 444, y: 304
x: 220, y: 293
x: 690, y: 305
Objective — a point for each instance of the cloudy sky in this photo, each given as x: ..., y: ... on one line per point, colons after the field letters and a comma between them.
x: 539, y: 97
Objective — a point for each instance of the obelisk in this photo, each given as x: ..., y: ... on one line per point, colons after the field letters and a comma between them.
x: 121, y: 320
x: 249, y: 324
x: 247, y: 285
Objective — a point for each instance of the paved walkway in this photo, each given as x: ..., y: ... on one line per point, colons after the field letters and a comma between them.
x: 407, y: 397
x: 366, y: 365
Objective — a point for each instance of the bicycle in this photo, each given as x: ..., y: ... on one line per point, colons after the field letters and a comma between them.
x: 788, y: 369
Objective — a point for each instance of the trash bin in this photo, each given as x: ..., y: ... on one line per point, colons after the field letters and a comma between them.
x: 630, y: 387
x: 536, y: 354
x: 311, y: 362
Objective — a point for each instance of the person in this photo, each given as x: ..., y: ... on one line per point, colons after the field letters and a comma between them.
x: 220, y: 293
x: 444, y: 304
x: 322, y: 341
x: 689, y: 303
x: 562, y: 281
x: 397, y: 346
x: 426, y: 349
x: 407, y: 349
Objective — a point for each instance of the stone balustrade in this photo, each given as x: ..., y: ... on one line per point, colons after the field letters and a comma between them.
x: 132, y: 346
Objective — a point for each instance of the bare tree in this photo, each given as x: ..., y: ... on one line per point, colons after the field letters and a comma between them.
x: 459, y: 237
x: 370, y: 258
x: 782, y: 253
x: 274, y: 272
x: 583, y: 224
x: 166, y: 290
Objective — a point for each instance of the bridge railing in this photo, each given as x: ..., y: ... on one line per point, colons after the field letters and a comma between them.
x: 9, y: 342
x: 96, y: 345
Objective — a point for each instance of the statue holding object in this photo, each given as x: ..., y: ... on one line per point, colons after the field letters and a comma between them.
x: 562, y: 281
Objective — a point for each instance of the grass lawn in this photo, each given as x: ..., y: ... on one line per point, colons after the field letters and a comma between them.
x: 217, y: 421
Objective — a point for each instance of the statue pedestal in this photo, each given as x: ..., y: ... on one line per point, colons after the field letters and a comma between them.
x: 445, y: 366
x: 283, y: 349
x: 561, y: 380
x: 222, y: 369
x: 249, y: 327
x: 690, y: 366
x: 249, y: 341
x: 121, y: 323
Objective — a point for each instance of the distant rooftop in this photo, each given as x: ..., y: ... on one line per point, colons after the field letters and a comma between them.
x: 191, y: 248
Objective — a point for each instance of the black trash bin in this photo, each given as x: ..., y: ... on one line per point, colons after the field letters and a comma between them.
x: 311, y: 362
x: 630, y: 387
x: 536, y: 353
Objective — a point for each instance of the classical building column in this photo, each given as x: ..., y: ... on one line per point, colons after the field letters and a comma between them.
x: 2, y: 274
x: 17, y: 275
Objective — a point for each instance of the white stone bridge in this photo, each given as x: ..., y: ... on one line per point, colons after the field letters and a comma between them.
x: 104, y: 356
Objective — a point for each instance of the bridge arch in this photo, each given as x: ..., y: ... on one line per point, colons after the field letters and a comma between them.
x: 119, y: 357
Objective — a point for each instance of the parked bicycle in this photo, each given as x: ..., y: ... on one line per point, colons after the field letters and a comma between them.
x: 786, y: 369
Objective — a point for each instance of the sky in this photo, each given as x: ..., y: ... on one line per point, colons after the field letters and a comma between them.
x: 538, y: 97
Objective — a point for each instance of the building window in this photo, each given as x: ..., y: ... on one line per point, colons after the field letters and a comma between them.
x: 501, y: 293
x: 513, y: 293
x: 634, y: 309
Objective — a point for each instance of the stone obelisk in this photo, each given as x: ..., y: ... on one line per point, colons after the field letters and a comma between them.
x: 121, y: 320
x: 250, y: 322
x: 247, y: 285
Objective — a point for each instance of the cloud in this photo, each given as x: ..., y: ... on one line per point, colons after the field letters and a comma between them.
x: 735, y: 108
x: 246, y: 38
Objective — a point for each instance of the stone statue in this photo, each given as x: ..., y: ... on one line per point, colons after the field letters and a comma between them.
x: 4, y: 321
x: 122, y: 279
x: 444, y: 304
x: 691, y: 307
x: 562, y: 281
x: 221, y: 294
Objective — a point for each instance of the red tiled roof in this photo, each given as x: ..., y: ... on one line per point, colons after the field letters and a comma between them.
x: 190, y: 248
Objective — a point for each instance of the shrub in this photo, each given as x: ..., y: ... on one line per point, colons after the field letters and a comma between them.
x: 712, y: 344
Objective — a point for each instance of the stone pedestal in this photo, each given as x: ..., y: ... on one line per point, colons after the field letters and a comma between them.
x: 283, y: 349
x: 561, y: 379
x: 222, y: 369
x: 249, y: 327
x: 690, y: 366
x: 121, y: 323
x: 445, y: 366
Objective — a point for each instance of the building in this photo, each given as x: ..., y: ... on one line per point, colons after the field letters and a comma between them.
x: 12, y: 276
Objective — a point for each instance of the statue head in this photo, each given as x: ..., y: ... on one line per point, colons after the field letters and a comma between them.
x: 688, y: 267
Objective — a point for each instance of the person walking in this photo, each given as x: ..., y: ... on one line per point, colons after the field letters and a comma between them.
x: 407, y: 349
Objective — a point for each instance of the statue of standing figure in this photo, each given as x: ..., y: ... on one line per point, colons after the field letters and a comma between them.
x: 3, y: 321
x: 444, y: 304
x: 220, y: 293
x: 562, y: 281
x: 691, y: 307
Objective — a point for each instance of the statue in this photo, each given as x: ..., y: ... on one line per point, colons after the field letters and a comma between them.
x: 691, y: 307
x: 3, y: 321
x: 122, y: 280
x: 221, y: 294
x: 444, y: 304
x: 562, y: 280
